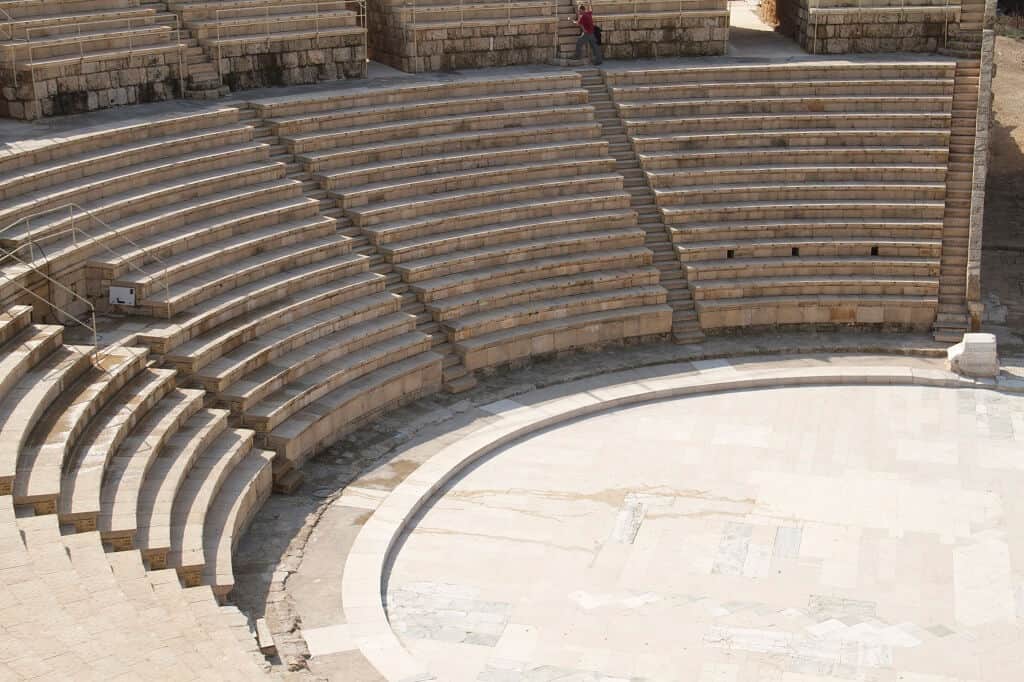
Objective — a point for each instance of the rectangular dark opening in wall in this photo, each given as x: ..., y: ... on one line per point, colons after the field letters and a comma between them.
x: 874, y: 250
x: 796, y: 250
x: 730, y: 254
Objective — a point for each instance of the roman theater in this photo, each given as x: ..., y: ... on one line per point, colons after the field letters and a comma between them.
x: 369, y: 340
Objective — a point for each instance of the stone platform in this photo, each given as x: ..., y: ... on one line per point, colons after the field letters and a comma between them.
x: 896, y: 561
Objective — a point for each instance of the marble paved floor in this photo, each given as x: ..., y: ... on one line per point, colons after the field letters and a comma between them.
x: 807, y: 534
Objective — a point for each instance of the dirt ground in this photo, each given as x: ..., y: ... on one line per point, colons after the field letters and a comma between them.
x: 1003, y: 243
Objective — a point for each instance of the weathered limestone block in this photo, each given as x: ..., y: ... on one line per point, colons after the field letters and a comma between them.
x: 975, y: 356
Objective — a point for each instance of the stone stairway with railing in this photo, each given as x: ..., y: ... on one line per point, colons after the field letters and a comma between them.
x: 202, y: 79
x: 685, y: 326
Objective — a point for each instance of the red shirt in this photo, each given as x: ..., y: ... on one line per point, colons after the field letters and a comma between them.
x: 586, y: 21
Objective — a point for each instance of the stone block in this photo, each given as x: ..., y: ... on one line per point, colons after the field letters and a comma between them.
x: 975, y: 356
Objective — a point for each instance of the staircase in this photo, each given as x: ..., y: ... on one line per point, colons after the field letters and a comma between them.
x: 952, y: 319
x: 685, y: 326
x: 567, y: 34
x: 201, y: 78
x: 456, y: 378
x: 964, y: 40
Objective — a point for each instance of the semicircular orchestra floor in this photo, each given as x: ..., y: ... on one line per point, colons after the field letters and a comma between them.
x: 804, y: 534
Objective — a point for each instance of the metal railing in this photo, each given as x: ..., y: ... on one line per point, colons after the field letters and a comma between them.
x: 265, y: 23
x: 74, y: 231
x: 5, y: 254
x: 8, y: 23
x: 84, y: 34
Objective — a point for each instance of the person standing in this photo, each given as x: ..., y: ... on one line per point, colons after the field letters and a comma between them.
x: 585, y: 20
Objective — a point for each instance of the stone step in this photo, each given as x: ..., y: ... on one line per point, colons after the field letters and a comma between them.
x: 165, y: 476
x: 82, y: 479
x: 128, y: 469
x: 502, y: 347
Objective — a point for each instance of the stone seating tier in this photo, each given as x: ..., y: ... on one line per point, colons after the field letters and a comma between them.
x: 810, y: 179
x: 75, y: 423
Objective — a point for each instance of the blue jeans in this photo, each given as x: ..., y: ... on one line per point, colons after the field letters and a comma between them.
x: 595, y: 49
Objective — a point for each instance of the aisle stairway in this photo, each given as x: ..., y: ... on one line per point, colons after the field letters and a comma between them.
x: 685, y: 327
x: 203, y: 80
x: 952, y: 319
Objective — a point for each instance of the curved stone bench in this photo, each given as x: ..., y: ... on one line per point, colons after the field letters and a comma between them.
x: 128, y: 469
x: 240, y: 362
x: 82, y: 478
x: 109, y: 194
x: 818, y: 285
x: 915, y: 311
x: 226, y: 276
x: 806, y: 122
x: 191, y: 226
x: 26, y: 402
x: 503, y: 233
x: 193, y: 501
x: 628, y: 95
x: 777, y: 246
x: 472, y: 178
x: 782, y: 104
x: 246, y: 489
x: 806, y: 69
x: 551, y: 309
x: 483, y: 302
x: 529, y: 271
x: 245, y: 299
x: 494, y: 214
x: 881, y: 229
x: 439, y: 205
x: 453, y: 103
x: 439, y: 125
x: 365, y: 329
x: 120, y: 149
x: 864, y: 137
x: 779, y: 211
x: 779, y: 174
x: 694, y: 195
x: 208, y: 429
x: 482, y: 88
x: 289, y: 391
x: 662, y: 162
x: 472, y: 260
x: 284, y: 317
x: 345, y: 409
x: 403, y: 148
x: 25, y: 348
x: 393, y: 171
